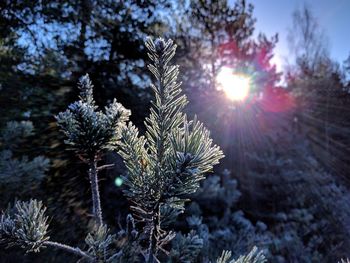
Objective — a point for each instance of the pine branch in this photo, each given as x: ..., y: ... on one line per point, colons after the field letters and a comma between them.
x: 72, y: 250
x: 26, y: 225
x: 96, y: 203
x: 106, y: 166
x: 114, y: 256
x: 90, y: 132
x: 99, y: 242
x: 166, y: 164
x: 254, y: 256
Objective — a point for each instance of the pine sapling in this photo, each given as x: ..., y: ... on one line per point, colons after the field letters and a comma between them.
x: 167, y: 164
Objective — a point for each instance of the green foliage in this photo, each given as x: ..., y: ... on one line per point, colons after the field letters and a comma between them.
x: 89, y: 131
x: 25, y: 226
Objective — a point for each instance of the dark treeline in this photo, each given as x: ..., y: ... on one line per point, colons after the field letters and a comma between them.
x: 283, y: 184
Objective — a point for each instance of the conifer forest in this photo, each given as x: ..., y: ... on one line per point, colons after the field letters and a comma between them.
x: 174, y: 131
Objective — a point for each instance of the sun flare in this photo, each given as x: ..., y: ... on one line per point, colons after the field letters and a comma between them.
x: 236, y: 86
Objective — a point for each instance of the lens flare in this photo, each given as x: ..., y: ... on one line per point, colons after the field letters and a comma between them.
x: 118, y: 181
x: 236, y: 86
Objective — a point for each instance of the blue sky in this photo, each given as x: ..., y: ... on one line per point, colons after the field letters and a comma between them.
x: 275, y: 16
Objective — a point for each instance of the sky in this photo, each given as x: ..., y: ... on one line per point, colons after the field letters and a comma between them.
x: 275, y: 16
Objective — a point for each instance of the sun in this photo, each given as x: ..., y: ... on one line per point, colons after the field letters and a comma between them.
x: 236, y: 86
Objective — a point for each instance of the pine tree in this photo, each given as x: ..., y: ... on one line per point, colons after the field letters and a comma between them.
x: 90, y: 132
